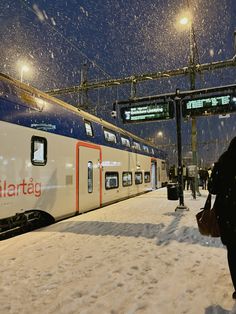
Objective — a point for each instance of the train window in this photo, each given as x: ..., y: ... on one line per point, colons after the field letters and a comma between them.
x: 127, y: 178
x: 88, y: 128
x: 38, y: 151
x: 90, y: 177
x: 136, y: 146
x: 163, y: 165
x: 111, y: 180
x: 147, y: 177
x: 152, y: 151
x: 145, y: 148
x: 125, y: 141
x: 138, y: 177
x: 110, y: 136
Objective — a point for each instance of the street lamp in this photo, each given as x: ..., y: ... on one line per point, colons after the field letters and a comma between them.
x: 160, y: 134
x: 24, y: 69
x: 186, y: 20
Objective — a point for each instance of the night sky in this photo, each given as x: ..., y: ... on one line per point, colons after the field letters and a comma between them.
x: 117, y: 39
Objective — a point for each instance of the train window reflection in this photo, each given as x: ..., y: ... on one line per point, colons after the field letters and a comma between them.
x: 88, y: 128
x: 147, y: 177
x: 127, y: 178
x: 136, y: 146
x: 138, y: 177
x: 90, y: 177
x: 38, y: 151
x: 145, y: 148
x: 125, y: 141
x: 110, y: 136
x: 111, y: 180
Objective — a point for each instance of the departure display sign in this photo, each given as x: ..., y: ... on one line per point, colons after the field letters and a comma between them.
x: 148, y: 112
x: 220, y: 104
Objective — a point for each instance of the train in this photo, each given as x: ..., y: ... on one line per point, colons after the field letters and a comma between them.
x: 57, y: 161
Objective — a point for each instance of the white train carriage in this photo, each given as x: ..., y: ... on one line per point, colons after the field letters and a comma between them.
x: 57, y: 161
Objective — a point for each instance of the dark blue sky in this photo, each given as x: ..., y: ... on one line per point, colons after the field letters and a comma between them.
x: 117, y: 39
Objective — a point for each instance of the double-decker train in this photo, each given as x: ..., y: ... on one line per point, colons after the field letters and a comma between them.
x: 57, y: 161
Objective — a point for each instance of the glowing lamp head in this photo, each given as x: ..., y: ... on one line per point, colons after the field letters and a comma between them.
x: 25, y: 68
x: 159, y: 134
x: 184, y: 20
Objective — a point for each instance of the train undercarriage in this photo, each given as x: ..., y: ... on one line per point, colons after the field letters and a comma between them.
x: 23, y: 222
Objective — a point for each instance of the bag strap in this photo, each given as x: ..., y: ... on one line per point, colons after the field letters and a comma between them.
x: 208, y: 202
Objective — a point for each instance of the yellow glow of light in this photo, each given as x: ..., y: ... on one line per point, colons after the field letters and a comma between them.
x: 25, y: 68
x: 184, y: 20
x: 160, y: 134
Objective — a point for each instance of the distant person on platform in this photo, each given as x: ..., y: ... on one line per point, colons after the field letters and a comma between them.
x: 191, y: 173
x: 209, y: 172
x: 203, y: 173
x: 223, y: 183
x: 184, y: 177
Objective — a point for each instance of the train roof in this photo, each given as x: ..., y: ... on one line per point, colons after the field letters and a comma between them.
x: 87, y: 116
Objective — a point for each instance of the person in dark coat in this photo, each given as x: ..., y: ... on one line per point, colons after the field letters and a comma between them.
x: 203, y: 173
x: 223, y: 183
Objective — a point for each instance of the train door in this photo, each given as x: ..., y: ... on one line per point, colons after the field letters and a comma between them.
x: 158, y: 177
x: 154, y: 174
x: 89, y: 194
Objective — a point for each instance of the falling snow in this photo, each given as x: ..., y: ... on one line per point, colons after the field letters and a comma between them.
x: 117, y: 39
x: 39, y: 13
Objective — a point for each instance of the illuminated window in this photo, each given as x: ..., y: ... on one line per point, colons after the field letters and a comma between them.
x: 88, y: 128
x: 136, y: 146
x: 147, y: 177
x: 111, y: 180
x: 125, y: 141
x: 90, y: 177
x: 110, y: 136
x: 38, y: 151
x: 152, y: 151
x: 127, y: 178
x: 138, y: 178
x: 145, y: 148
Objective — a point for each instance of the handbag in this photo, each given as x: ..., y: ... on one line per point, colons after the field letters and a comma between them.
x: 207, y: 220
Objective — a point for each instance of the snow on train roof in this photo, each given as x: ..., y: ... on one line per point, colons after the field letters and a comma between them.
x: 42, y: 95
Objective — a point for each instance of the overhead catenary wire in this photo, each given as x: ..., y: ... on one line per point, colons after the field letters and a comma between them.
x: 75, y: 47
x: 67, y: 40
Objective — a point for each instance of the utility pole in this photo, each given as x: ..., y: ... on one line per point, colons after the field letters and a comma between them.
x: 84, y: 80
x: 177, y: 100
x: 133, y: 89
x: 192, y: 62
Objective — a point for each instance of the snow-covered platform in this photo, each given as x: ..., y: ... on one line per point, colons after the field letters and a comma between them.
x: 135, y: 256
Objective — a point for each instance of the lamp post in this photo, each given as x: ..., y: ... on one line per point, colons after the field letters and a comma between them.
x: 187, y: 21
x: 24, y: 68
x: 177, y: 99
